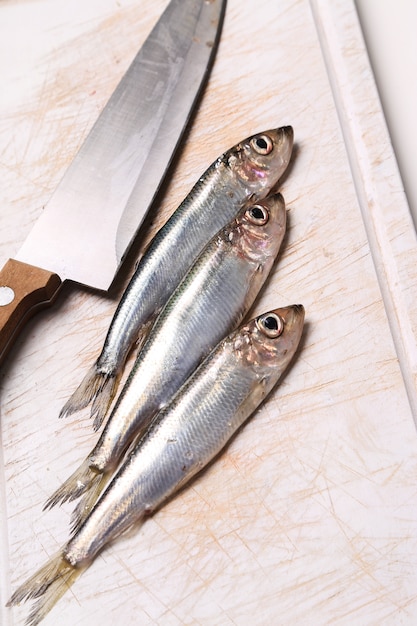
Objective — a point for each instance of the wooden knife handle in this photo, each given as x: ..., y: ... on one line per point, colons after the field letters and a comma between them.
x: 23, y: 289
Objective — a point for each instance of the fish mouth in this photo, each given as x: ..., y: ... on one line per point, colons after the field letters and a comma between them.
x: 299, y: 309
x: 298, y: 314
x: 284, y: 136
x: 291, y: 315
x: 288, y: 131
x: 281, y: 135
x: 285, y: 142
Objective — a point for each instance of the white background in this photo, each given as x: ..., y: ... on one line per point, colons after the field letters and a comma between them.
x: 389, y: 28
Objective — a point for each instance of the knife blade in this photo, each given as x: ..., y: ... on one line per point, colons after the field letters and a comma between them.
x: 92, y: 218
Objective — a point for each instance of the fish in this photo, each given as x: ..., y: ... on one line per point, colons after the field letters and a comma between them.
x: 211, y: 300
x: 249, y: 169
x: 184, y: 437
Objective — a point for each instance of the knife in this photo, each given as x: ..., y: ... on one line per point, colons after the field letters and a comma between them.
x: 88, y: 225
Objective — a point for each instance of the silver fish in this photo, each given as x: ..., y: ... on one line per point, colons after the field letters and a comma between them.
x: 249, y: 169
x: 184, y: 437
x: 211, y: 300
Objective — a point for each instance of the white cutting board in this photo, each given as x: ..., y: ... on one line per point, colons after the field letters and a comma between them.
x: 310, y: 516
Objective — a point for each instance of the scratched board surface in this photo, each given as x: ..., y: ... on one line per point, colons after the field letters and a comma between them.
x: 310, y: 516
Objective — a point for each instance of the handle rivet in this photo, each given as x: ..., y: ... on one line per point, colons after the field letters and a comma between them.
x: 7, y: 295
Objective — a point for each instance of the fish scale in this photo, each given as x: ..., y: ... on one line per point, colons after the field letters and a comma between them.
x: 242, y: 172
x: 185, y: 436
x: 191, y: 429
x: 211, y: 300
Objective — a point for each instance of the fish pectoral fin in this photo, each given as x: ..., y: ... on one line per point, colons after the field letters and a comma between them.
x: 254, y: 397
x: 145, y: 330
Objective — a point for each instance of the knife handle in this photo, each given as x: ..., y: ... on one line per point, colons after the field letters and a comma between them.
x: 23, y: 289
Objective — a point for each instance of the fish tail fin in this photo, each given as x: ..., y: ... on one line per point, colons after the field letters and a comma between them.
x: 94, y: 384
x: 78, y: 483
x: 87, y: 502
x: 47, y: 585
x: 103, y: 399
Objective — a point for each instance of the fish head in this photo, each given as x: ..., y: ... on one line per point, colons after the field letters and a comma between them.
x: 275, y: 335
x: 260, y: 160
x: 259, y: 228
x: 268, y: 342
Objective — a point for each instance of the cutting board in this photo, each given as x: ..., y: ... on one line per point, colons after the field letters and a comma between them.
x: 309, y: 516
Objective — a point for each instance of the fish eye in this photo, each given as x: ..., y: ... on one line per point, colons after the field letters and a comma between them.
x: 271, y: 325
x: 262, y: 144
x: 257, y: 214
